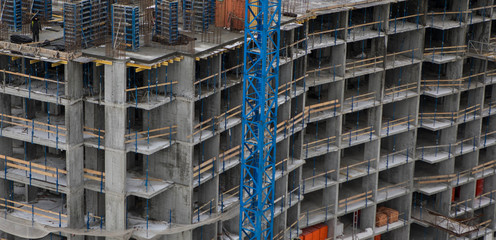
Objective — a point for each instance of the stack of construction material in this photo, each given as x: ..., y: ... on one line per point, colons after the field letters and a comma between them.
x: 166, y: 22
x: 12, y: 14
x: 386, y: 215
x: 316, y: 232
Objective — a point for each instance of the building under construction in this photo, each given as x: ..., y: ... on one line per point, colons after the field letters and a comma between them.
x: 124, y: 121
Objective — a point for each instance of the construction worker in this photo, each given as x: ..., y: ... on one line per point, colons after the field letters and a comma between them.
x: 35, y: 29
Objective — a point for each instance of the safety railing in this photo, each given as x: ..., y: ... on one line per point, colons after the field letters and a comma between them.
x: 30, y: 209
x: 329, y: 72
x: 321, y: 144
x: 363, y: 133
x: 390, y: 188
x: 33, y: 127
x: 477, y: 203
x: 226, y: 157
x: 329, y: 35
x: 287, y: 88
x: 454, y: 179
x: 215, y: 123
x: 321, y: 108
x: 227, y: 198
x: 363, y: 168
x: 237, y: 70
x: 395, y: 57
x: 151, y: 91
x: 99, y: 134
x: 489, y: 108
x: 453, y: 117
x: 390, y: 124
x: 487, y: 136
x: 346, y: 202
x: 204, y: 211
x: 354, y: 101
x: 316, y: 175
x: 359, y: 30
x: 46, y: 172
x: 398, y: 90
x: 444, y: 51
x: 135, y: 136
x: 150, y: 134
x: 210, y: 83
x: 399, y: 22
x: 392, y: 157
x: 452, y: 149
x: 28, y: 81
x: 372, y: 62
x: 319, y: 214
x: 434, y: 17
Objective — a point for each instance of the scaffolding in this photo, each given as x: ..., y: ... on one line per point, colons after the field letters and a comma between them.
x: 85, y: 23
x: 166, y: 17
x: 11, y: 13
x: 125, y: 27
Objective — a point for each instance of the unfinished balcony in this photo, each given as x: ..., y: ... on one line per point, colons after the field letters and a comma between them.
x: 394, y: 151
x: 438, y: 50
x: 474, y: 74
x: 431, y: 150
x: 436, y: 113
x: 365, y: 24
x: 318, y: 174
x: 479, y: 11
x: 232, y: 67
x: 357, y: 128
x: 390, y: 189
x: 445, y: 15
x: 43, y: 129
x: 397, y: 118
x: 361, y: 93
x: 438, y: 80
x: 149, y: 88
x: 40, y: 81
x: 325, y: 66
x: 403, y: 18
x: 320, y: 138
x: 354, y: 196
x: 322, y: 102
x: 326, y: 31
x: 207, y: 78
x: 489, y: 101
x: 46, y: 209
x: 314, y: 210
x: 401, y: 83
x: 354, y: 164
x: 365, y: 57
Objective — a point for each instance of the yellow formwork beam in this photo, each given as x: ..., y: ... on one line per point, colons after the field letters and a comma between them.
x: 138, y: 66
x: 34, y: 61
x: 102, y: 62
x: 59, y: 63
x: 140, y: 69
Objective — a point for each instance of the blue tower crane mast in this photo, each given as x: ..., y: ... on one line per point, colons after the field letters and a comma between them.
x: 259, y: 118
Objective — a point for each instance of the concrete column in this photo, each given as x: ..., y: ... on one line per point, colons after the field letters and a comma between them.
x: 74, y: 153
x: 115, y: 149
